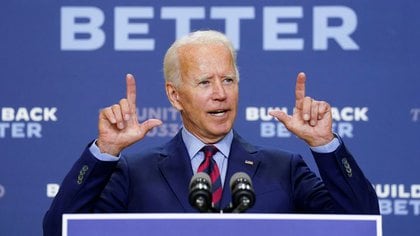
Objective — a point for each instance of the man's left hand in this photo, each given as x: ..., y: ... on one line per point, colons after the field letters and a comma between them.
x: 311, y: 119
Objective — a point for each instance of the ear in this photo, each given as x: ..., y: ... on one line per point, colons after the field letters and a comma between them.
x: 173, y: 95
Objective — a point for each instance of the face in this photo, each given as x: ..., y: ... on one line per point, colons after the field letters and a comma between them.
x: 207, y: 96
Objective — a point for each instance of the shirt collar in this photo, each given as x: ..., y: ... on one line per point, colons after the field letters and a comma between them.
x: 194, y: 145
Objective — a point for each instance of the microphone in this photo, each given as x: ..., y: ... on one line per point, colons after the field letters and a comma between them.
x: 200, y: 195
x: 243, y: 195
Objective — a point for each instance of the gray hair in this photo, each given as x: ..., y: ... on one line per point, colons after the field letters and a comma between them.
x: 171, y: 67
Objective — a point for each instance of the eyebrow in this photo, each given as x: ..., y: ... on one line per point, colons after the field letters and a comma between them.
x: 231, y: 76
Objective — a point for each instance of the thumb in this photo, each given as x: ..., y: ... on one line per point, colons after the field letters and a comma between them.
x: 150, y: 124
x: 281, y: 116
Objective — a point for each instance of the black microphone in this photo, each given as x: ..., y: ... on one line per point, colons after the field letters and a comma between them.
x: 200, y: 195
x: 243, y: 195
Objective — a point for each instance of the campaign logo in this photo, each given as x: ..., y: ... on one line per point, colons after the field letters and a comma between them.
x: 343, y: 120
x: 398, y: 199
x: 2, y: 191
x: 168, y: 115
x: 23, y: 122
x: 415, y: 114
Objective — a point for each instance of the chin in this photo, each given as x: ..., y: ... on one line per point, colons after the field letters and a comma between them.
x: 222, y: 131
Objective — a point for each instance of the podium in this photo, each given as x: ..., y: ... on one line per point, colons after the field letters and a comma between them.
x: 221, y: 225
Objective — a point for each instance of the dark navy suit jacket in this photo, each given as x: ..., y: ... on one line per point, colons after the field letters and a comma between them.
x: 157, y: 181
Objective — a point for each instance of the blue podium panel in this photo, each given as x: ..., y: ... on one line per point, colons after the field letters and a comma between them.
x: 221, y: 224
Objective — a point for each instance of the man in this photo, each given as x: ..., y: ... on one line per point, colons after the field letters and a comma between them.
x: 202, y: 84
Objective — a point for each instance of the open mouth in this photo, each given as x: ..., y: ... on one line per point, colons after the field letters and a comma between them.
x: 218, y: 112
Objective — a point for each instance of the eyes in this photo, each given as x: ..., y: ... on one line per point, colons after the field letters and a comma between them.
x: 225, y: 81
x: 228, y: 80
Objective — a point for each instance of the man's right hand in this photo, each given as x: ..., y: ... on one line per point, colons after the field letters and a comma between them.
x: 118, y: 124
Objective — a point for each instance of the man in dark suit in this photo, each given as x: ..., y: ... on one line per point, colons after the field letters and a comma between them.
x: 202, y: 84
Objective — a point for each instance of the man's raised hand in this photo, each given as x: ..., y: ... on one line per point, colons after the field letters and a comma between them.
x: 118, y: 124
x: 311, y: 119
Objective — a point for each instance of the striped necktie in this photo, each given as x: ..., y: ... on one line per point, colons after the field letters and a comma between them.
x: 210, y: 167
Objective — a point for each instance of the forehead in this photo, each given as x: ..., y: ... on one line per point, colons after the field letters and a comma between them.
x: 205, y: 59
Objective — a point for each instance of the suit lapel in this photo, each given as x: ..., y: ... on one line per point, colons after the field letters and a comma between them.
x: 242, y: 158
x: 175, y: 166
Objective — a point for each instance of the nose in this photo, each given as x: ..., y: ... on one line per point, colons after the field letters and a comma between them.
x: 219, y: 92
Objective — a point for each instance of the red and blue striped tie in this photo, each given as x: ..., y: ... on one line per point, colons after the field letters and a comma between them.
x: 210, y: 167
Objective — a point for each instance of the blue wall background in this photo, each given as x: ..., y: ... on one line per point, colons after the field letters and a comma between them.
x: 50, y: 95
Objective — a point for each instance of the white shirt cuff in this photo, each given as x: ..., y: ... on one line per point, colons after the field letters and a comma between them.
x: 327, y: 148
x: 94, y: 149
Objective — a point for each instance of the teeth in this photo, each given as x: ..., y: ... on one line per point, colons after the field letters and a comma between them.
x: 218, y: 113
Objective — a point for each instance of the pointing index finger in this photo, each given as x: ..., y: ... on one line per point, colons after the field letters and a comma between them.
x: 300, y: 89
x: 131, y: 90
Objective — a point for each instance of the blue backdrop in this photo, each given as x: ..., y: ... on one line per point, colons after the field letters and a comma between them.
x: 62, y: 61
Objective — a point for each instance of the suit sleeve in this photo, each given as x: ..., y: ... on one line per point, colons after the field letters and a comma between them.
x: 349, y: 189
x: 79, y: 190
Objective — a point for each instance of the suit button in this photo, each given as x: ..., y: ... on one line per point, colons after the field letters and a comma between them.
x: 347, y: 167
x: 82, y: 174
